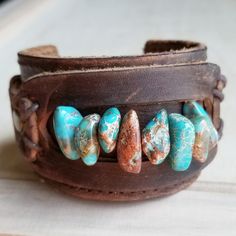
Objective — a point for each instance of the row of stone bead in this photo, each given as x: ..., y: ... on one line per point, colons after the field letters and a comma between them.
x: 77, y: 136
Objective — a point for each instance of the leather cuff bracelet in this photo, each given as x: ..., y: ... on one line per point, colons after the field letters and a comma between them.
x: 118, y: 128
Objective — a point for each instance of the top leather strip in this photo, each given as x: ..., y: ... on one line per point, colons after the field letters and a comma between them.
x: 157, y: 52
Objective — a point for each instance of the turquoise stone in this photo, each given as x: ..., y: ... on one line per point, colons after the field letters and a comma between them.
x: 86, y: 139
x: 156, y: 138
x: 65, y: 121
x: 202, y: 139
x: 108, y: 129
x: 182, y: 136
x: 193, y: 109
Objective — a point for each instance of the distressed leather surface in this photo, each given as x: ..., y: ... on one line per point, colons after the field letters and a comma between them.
x: 169, y: 73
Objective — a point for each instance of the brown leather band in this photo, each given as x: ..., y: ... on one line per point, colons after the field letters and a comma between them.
x: 170, y: 73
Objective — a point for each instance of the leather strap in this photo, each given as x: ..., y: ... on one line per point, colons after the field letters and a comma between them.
x: 157, y: 52
x: 168, y: 74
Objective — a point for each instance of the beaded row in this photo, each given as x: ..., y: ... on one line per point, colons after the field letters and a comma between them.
x: 174, y: 136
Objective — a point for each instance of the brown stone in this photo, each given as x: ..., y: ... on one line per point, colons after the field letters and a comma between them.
x: 129, y: 152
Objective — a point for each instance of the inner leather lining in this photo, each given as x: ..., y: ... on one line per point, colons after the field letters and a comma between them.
x: 154, y: 46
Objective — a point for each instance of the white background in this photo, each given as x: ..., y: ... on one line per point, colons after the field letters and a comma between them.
x: 82, y: 28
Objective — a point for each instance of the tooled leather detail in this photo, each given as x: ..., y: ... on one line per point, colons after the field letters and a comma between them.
x: 28, y: 135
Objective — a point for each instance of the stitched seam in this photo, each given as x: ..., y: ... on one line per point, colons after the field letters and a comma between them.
x: 169, y: 187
